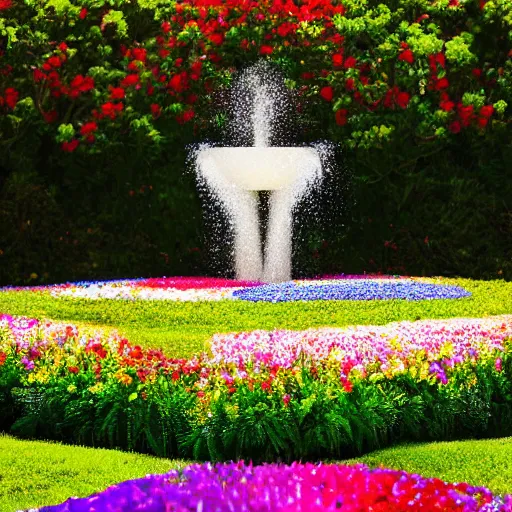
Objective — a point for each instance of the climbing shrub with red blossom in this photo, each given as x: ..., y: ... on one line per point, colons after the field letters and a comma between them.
x: 365, y: 74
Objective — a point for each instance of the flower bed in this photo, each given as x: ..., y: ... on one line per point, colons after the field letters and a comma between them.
x: 361, y: 289
x: 392, y: 347
x: 454, y: 380
x: 294, y: 488
x: 193, y: 289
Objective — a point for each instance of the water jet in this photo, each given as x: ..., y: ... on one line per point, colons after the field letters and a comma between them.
x: 236, y: 173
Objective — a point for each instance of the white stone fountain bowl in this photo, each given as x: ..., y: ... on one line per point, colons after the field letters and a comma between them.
x: 261, y: 168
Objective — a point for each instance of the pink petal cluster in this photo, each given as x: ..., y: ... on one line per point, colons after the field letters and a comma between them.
x: 389, y: 345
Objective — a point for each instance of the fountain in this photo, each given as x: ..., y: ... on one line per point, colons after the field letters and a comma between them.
x: 236, y: 174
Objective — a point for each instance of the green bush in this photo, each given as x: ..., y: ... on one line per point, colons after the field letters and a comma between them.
x: 84, y: 388
x: 98, y: 103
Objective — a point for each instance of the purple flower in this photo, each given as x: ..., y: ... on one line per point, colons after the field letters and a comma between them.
x: 27, y: 363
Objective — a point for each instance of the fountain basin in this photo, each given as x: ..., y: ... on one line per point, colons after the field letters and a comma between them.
x: 260, y: 168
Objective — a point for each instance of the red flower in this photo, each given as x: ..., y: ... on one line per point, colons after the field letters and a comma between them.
x: 350, y: 62
x: 156, y: 110
x: 139, y: 54
x: 117, y: 93
x: 348, y: 386
x: 110, y: 109
x: 286, y: 28
x: 178, y: 82
x: 216, y: 38
x: 3, y: 357
x: 5, y: 4
x: 130, y: 80
x: 341, y: 117
x: 163, y: 53
x: 476, y: 72
x: 402, y: 99
x: 38, y: 75
x: 265, y: 386
x: 487, y: 111
x: 442, y: 84
x: 82, y: 84
x: 88, y: 128
x: 350, y: 84
x: 447, y: 105
x: 407, y: 56
x: 69, y: 147
x: 83, y: 13
x: 73, y: 369
x: 200, y: 394
x: 166, y: 27
x: 136, y: 353
x: 337, y: 59
x: 63, y: 47
x: 482, y: 121
x: 54, y: 62
x: 465, y: 114
x: 185, y: 117
x: 327, y: 93
x: 50, y: 117
x: 266, y: 50
x: 195, y: 70
x: 455, y: 127
x: 11, y: 97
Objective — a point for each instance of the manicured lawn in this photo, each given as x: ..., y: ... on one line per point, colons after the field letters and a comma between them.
x: 182, y: 329
x: 482, y: 462
x: 35, y: 473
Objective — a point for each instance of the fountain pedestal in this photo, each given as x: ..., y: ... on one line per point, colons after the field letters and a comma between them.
x: 235, y: 174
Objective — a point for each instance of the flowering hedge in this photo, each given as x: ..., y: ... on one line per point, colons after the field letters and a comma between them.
x: 57, y: 382
x: 86, y: 73
x: 294, y: 488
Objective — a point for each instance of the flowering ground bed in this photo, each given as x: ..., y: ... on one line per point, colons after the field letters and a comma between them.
x: 350, y: 287
x: 295, y: 488
x: 263, y: 395
x: 339, y: 396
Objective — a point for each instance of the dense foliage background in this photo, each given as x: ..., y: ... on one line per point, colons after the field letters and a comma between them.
x: 98, y: 101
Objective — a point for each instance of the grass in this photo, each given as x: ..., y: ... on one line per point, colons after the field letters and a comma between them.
x: 35, y: 473
x: 483, y: 462
x: 183, y: 329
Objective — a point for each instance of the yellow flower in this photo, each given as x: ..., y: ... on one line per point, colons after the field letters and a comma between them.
x: 97, y: 388
x: 71, y: 388
x: 123, y: 378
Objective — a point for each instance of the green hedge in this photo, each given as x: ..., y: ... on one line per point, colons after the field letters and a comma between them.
x: 92, y: 163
